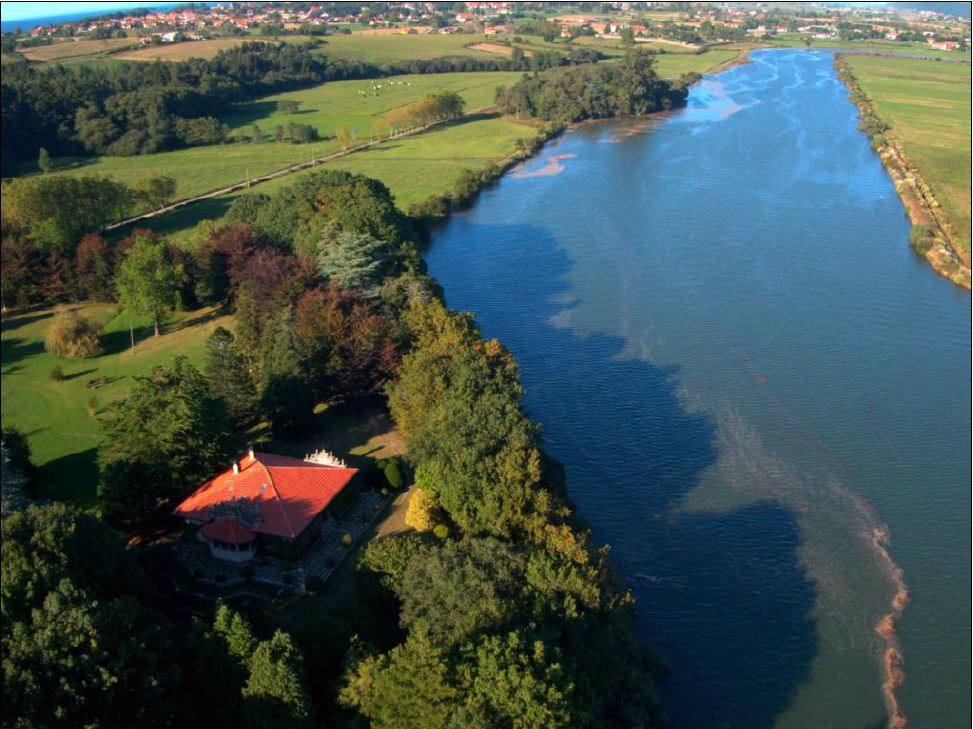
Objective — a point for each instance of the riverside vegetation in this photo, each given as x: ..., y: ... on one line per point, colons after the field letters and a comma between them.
x: 916, y: 112
x: 503, y: 614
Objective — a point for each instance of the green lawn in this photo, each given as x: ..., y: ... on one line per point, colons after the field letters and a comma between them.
x: 59, y: 417
x: 927, y: 103
x: 327, y: 106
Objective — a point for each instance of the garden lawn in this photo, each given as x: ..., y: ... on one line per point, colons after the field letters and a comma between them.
x: 927, y: 104
x: 353, y: 104
x: 59, y: 418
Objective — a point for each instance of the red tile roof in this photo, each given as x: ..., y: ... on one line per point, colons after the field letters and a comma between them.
x: 228, y: 529
x: 271, y: 494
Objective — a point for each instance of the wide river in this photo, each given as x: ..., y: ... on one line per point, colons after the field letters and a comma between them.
x: 761, y: 395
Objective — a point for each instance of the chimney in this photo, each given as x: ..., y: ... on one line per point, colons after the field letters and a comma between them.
x: 251, y: 453
x: 236, y: 467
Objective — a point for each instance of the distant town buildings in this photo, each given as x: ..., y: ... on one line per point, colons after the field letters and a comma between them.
x: 687, y: 23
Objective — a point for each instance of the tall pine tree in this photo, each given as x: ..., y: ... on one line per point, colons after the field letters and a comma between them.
x: 229, y: 378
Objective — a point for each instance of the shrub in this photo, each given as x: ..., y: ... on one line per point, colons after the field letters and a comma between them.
x: 393, y: 474
x: 432, y: 207
x: 57, y: 373
x: 441, y: 531
x: 71, y: 335
x: 346, y: 540
x: 423, y: 512
x: 921, y: 238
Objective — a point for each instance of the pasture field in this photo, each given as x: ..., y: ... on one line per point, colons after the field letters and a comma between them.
x: 878, y: 45
x: 359, y: 104
x: 327, y: 106
x: 927, y: 104
x: 59, y: 418
x: 414, y: 168
x: 388, y: 48
x: 75, y: 49
x: 205, y: 49
x: 670, y: 65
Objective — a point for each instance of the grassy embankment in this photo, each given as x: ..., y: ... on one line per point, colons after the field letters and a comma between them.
x: 927, y: 105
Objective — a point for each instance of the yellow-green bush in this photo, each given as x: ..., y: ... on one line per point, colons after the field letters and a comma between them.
x: 424, y: 512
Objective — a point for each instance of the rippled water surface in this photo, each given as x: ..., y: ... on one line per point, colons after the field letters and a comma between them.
x: 761, y: 395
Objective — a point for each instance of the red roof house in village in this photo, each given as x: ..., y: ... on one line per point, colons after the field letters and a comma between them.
x: 269, y: 499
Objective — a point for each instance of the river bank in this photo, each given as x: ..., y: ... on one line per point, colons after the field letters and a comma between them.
x: 438, y: 207
x: 922, y: 207
x: 766, y: 519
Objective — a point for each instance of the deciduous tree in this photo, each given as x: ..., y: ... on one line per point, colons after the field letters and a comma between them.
x: 148, y: 281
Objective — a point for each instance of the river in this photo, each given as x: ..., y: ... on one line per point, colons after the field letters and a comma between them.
x: 760, y: 393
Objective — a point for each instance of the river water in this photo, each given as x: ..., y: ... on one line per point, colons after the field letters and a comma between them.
x: 761, y: 395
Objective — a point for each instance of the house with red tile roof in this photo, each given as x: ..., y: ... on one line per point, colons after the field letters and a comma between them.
x: 270, y: 501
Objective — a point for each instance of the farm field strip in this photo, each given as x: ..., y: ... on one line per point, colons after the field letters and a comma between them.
x: 927, y: 104
x: 76, y: 49
x: 200, y: 48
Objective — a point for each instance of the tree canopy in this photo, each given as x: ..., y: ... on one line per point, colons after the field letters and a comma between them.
x: 160, y: 443
x: 149, y: 281
x: 79, y: 648
x: 629, y: 87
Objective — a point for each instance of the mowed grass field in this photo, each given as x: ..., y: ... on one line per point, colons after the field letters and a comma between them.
x: 414, y: 168
x: 387, y: 48
x: 73, y: 49
x: 339, y: 103
x: 670, y: 65
x: 60, y: 418
x: 400, y: 47
x: 927, y: 104
x: 199, y: 49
